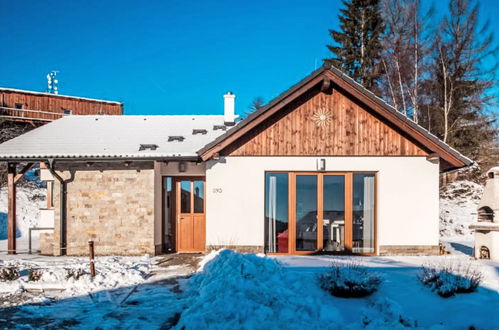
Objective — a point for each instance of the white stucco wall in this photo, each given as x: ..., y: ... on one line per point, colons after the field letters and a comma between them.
x: 407, y: 192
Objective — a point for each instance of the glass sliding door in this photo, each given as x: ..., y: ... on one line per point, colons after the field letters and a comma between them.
x: 320, y: 211
x: 333, y: 214
x: 276, y: 213
x: 306, y: 212
x: 363, y: 213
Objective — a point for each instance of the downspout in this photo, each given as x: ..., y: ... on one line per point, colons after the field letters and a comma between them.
x: 62, y: 203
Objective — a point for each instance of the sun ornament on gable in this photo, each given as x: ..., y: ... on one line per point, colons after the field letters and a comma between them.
x: 321, y: 117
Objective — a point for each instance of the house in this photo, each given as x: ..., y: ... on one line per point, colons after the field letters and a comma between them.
x: 325, y: 167
x: 40, y: 108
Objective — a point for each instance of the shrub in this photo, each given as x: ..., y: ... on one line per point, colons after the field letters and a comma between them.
x: 447, y: 278
x: 9, y: 273
x: 350, y: 280
x: 74, y: 273
x: 34, y: 275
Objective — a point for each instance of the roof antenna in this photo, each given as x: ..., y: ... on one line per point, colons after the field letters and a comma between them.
x: 52, y: 82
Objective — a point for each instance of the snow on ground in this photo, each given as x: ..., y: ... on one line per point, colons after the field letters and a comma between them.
x: 458, y: 210
x: 31, y: 196
x: 63, y: 274
x: 233, y: 291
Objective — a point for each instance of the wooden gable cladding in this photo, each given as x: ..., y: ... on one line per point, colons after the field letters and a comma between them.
x: 347, y: 129
x: 29, y: 106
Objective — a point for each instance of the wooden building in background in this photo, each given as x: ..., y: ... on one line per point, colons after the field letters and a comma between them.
x: 40, y: 108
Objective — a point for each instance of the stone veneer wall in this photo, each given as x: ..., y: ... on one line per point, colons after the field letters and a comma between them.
x: 238, y: 248
x: 409, y: 250
x: 114, y: 208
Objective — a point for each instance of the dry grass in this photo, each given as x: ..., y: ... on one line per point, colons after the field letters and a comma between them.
x: 350, y: 280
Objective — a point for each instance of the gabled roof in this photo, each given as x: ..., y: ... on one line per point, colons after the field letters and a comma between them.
x: 330, y: 75
x: 160, y: 137
x: 115, y: 137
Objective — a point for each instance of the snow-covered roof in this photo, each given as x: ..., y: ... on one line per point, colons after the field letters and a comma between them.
x: 96, y: 137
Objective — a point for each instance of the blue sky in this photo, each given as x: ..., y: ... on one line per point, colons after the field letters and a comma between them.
x: 170, y: 57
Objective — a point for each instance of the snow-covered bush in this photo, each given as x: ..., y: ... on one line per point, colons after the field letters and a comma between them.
x: 448, y: 278
x: 34, y: 274
x: 74, y: 273
x: 350, y: 280
x: 9, y: 273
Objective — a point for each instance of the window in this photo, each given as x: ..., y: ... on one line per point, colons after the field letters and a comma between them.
x: 276, y: 213
x: 147, y: 146
x: 306, y: 212
x: 485, y: 214
x: 333, y: 214
x: 19, y: 106
x: 198, y: 197
x: 67, y: 111
x: 167, y: 213
x: 363, y: 213
x: 185, y: 197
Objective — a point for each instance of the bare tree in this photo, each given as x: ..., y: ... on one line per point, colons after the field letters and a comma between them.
x: 405, y: 53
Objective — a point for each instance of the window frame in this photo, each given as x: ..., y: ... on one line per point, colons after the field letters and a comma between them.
x: 348, y: 208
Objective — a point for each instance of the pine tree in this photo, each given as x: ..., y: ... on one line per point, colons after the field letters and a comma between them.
x: 357, y: 46
x: 258, y: 102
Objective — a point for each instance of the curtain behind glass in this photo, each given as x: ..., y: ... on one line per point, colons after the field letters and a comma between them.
x: 276, y: 213
x: 368, y: 241
x: 363, y: 213
x: 272, y: 199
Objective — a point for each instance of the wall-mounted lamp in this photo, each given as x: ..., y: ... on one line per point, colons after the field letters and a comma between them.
x: 182, y: 167
x: 321, y: 164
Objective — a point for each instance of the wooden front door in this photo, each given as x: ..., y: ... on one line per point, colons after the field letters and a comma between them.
x: 191, y: 218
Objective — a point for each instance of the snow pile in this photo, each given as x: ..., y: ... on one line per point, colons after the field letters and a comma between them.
x: 458, y: 209
x: 30, y: 198
x: 71, y: 276
x: 235, y: 290
x: 385, y: 313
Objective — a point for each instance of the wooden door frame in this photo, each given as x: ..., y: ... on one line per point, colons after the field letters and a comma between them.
x: 348, y: 239
x: 176, y: 185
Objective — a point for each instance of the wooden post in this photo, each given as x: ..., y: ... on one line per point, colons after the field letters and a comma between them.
x: 11, y: 208
x: 91, y: 254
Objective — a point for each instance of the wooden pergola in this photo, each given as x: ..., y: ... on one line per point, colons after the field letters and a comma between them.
x: 13, y: 177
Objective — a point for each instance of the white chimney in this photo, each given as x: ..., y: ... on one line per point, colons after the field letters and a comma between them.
x: 229, y: 114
